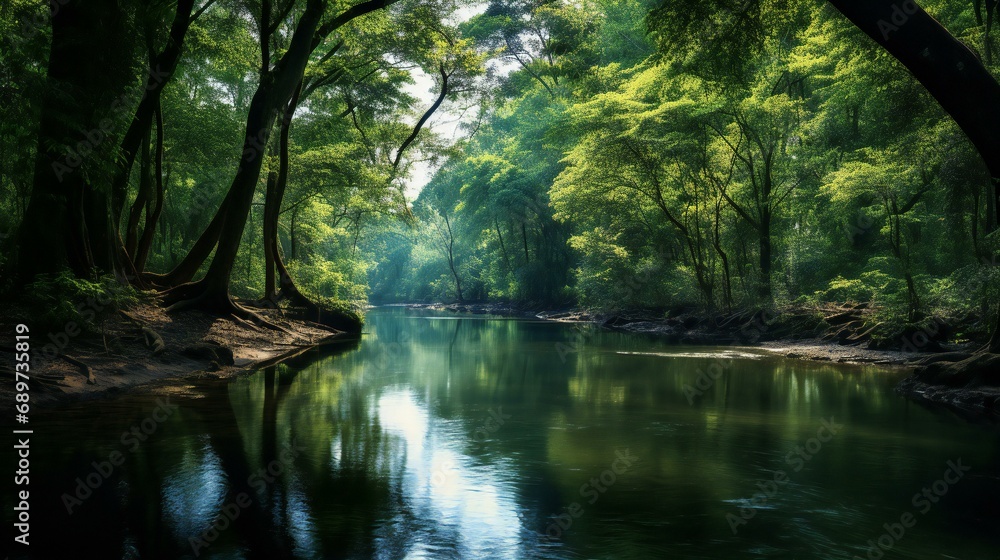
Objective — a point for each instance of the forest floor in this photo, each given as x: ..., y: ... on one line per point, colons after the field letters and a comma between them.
x: 144, y: 344
x: 939, y: 352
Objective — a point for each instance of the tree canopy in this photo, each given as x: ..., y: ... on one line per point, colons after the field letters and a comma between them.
x: 632, y: 154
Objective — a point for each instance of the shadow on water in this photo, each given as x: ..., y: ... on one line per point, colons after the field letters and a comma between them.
x: 468, y: 437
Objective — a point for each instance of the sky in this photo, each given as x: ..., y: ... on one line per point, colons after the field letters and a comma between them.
x: 446, y: 121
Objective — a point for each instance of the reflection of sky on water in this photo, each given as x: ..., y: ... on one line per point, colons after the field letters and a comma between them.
x: 473, y: 502
x: 301, y: 527
x: 391, y: 466
x: 193, y: 494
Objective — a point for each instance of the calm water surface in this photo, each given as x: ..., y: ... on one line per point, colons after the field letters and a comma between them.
x: 465, y: 437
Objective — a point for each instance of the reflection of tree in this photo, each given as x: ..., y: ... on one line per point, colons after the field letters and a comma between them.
x: 357, y: 490
x: 253, y: 524
x: 145, y: 504
x: 343, y: 497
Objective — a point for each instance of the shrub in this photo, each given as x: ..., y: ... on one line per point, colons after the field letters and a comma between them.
x: 63, y: 298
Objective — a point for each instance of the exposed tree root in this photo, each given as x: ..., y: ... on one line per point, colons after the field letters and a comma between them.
x: 157, y: 281
x: 199, y: 295
x: 957, y: 369
x: 153, y: 340
x: 84, y: 368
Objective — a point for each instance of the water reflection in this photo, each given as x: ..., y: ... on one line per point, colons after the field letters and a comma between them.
x: 468, y: 438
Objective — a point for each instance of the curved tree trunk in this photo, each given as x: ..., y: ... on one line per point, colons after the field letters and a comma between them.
x: 141, y: 198
x: 276, y: 185
x: 286, y: 289
x: 276, y: 88
x: 213, y: 290
x: 277, y: 85
x: 152, y: 215
x: 161, y: 69
x: 952, y: 74
x: 185, y: 270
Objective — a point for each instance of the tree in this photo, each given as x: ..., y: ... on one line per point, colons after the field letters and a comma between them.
x: 63, y: 223
x: 948, y: 69
x: 758, y: 142
x: 278, y: 84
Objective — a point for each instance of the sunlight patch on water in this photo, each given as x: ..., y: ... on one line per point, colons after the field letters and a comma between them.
x: 301, y: 527
x: 476, y: 503
x: 193, y: 493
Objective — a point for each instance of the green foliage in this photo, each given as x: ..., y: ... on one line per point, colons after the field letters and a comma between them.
x: 616, y: 154
x: 661, y: 178
x: 340, y: 280
x: 853, y: 290
x: 351, y: 311
x: 61, y: 299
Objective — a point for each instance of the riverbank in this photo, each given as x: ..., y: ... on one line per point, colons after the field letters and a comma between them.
x: 836, y: 333
x: 144, y: 344
x: 939, y: 352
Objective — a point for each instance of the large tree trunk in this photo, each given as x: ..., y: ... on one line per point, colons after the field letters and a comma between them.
x: 270, y: 235
x: 287, y: 290
x: 70, y: 222
x: 73, y: 129
x: 275, y: 90
x: 189, y: 265
x: 952, y: 73
x: 141, y: 198
x: 276, y: 184
x: 110, y: 252
x: 277, y: 85
x: 213, y: 290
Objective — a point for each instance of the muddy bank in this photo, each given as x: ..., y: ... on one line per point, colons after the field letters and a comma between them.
x: 145, y: 344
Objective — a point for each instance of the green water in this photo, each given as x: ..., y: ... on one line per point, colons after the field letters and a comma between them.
x: 466, y: 437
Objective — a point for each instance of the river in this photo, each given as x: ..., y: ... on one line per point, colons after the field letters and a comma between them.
x: 444, y: 436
